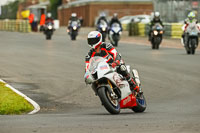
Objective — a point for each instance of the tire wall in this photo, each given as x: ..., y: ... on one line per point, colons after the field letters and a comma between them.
x: 173, y: 30
x: 15, y: 25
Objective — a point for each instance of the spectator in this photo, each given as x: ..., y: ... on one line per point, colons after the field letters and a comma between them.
x: 31, y: 19
x: 42, y: 22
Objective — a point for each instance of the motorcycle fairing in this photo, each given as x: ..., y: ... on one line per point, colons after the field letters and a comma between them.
x: 128, y: 102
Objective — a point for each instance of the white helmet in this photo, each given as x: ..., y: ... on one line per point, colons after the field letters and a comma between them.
x: 49, y: 15
x: 115, y: 15
x: 74, y: 15
x: 191, y: 15
x: 157, y: 14
x: 102, y: 14
x: 94, y: 39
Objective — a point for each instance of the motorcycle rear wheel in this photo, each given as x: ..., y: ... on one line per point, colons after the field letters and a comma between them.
x: 111, y: 105
x: 141, y: 104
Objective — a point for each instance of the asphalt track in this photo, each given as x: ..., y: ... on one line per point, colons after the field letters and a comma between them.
x: 51, y: 73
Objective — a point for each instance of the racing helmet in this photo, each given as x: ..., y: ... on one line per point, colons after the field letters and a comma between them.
x: 94, y: 39
x: 102, y: 14
x: 191, y: 16
x: 157, y: 15
x: 74, y: 15
x: 49, y: 15
x: 115, y: 15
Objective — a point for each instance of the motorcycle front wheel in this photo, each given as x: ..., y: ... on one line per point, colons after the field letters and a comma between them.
x: 111, y: 105
x: 73, y: 37
x: 48, y: 37
x: 103, y: 36
x: 193, y: 44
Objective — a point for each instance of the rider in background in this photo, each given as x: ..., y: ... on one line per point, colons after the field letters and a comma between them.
x: 106, y: 50
x: 156, y: 19
x: 73, y: 18
x: 115, y: 20
x: 42, y: 21
x: 49, y: 18
x: 189, y: 20
x: 102, y: 18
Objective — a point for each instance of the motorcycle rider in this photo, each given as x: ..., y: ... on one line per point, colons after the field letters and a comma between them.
x: 115, y: 20
x: 73, y: 18
x: 191, y: 19
x: 102, y: 18
x: 156, y: 19
x: 106, y: 50
x: 49, y: 18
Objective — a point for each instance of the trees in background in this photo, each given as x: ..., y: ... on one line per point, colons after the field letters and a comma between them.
x: 9, y: 11
x: 53, y: 7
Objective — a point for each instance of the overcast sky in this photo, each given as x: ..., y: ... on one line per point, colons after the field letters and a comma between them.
x: 3, y: 2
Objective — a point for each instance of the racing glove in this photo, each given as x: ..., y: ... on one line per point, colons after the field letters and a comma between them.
x: 115, y: 63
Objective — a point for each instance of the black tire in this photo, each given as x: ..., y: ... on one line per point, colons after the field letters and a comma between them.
x: 141, y: 104
x: 116, y: 43
x: 157, y: 42
x: 48, y: 37
x: 103, y: 94
x: 157, y: 46
x: 73, y: 37
x: 152, y: 43
x: 153, y: 46
x: 103, y: 36
x: 194, y: 42
x: 103, y: 39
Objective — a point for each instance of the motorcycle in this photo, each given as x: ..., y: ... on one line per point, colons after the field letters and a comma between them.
x: 114, y: 34
x: 191, y: 39
x: 112, y: 89
x: 48, y: 30
x: 73, y: 30
x: 103, y: 29
x: 156, y: 36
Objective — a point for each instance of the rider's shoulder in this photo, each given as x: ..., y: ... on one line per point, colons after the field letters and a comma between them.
x: 106, y: 45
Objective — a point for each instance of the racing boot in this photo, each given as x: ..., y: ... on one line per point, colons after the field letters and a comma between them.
x: 133, y: 85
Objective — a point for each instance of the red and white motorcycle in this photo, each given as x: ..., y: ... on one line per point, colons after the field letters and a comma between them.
x: 112, y: 89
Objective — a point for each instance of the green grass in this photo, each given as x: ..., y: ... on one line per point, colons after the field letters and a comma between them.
x: 12, y: 103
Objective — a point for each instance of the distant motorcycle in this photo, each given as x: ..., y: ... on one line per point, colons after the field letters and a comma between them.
x: 73, y: 30
x: 112, y: 89
x: 114, y: 34
x: 191, y: 39
x: 156, y: 36
x: 48, y: 30
x: 102, y: 27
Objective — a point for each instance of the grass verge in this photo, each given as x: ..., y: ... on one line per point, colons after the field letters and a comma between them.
x: 12, y: 103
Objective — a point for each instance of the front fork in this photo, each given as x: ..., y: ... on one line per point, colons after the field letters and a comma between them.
x: 112, y: 93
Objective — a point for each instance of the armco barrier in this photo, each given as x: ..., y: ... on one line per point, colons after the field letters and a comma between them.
x: 15, y: 25
x: 172, y: 30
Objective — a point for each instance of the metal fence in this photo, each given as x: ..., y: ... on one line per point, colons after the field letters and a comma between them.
x: 176, y: 10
